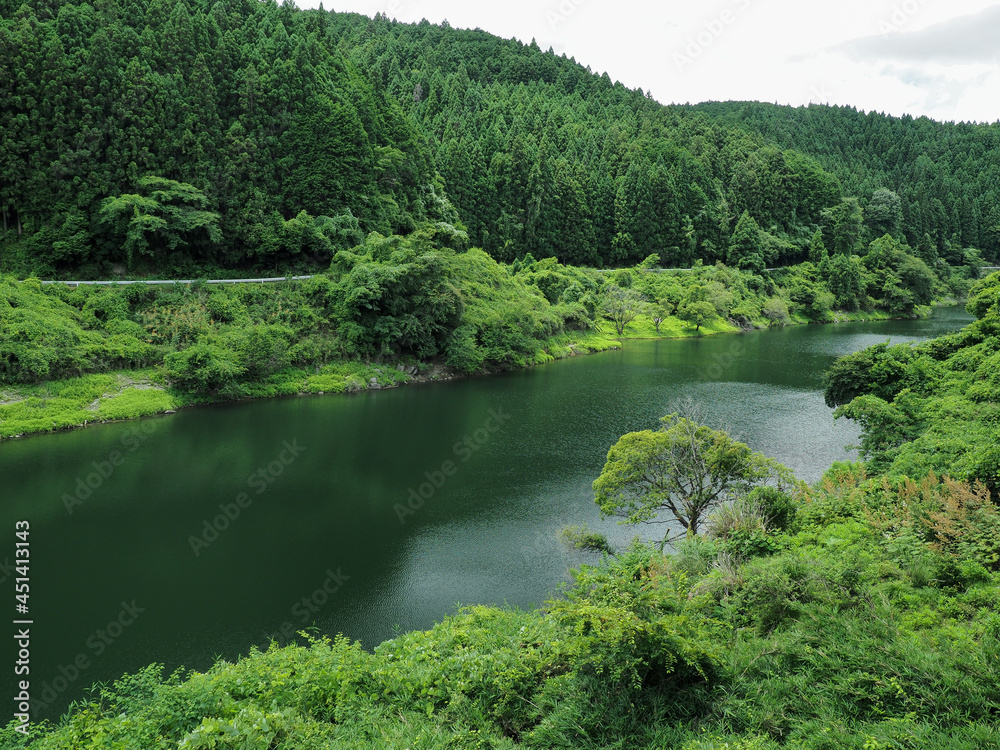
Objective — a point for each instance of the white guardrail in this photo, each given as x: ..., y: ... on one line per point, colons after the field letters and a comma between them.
x: 183, y: 281
x: 301, y: 278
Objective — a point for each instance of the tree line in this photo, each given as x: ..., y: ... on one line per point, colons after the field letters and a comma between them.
x: 191, y: 137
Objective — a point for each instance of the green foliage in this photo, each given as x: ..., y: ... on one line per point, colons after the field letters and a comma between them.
x: 884, y: 212
x: 163, y: 218
x: 842, y: 224
x: 931, y: 407
x: 817, y: 250
x: 775, y: 309
x: 880, y: 370
x: 91, y: 398
x: 622, y: 306
x: 395, y: 297
x: 869, y: 623
x: 581, y: 537
x: 984, y: 296
x: 844, y: 279
x: 697, y: 313
x: 205, y: 367
x: 746, y: 247
x: 940, y: 199
x: 684, y: 468
x: 295, y: 128
x: 810, y: 297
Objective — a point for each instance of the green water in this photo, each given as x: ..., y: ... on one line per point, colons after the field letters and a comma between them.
x: 325, y: 536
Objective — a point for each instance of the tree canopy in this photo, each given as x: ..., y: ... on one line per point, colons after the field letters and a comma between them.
x: 278, y: 115
x: 684, y: 468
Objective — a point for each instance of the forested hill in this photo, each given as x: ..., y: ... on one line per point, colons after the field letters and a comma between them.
x: 541, y: 155
x: 947, y: 175
x: 161, y: 133
x: 192, y: 136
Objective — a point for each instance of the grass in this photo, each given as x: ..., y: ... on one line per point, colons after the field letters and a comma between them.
x: 671, y: 328
x: 88, y: 399
x: 83, y: 400
x: 76, y: 402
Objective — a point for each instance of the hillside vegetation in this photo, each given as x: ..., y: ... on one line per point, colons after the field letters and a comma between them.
x: 147, y: 136
x: 946, y: 175
x: 390, y: 308
x: 931, y: 407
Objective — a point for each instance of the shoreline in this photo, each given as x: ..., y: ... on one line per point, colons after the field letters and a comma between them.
x: 133, y: 382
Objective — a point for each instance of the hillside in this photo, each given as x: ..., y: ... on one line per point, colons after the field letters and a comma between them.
x: 141, y: 137
x: 947, y: 175
x: 516, y: 128
x: 175, y: 137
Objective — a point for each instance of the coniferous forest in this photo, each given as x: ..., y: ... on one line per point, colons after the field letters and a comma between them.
x: 469, y: 204
x: 194, y: 136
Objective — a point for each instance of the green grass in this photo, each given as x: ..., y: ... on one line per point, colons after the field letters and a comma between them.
x: 87, y: 399
x: 75, y: 402
x: 671, y: 328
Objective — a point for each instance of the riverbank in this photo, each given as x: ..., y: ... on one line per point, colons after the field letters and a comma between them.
x: 131, y: 394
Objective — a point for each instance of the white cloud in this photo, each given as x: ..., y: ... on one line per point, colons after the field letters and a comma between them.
x: 968, y: 39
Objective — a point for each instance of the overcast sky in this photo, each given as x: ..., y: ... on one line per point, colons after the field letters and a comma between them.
x: 939, y: 58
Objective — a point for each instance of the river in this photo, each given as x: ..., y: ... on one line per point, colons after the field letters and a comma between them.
x: 200, y: 534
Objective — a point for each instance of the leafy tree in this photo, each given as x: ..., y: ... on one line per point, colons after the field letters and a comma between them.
x: 817, y: 250
x: 167, y: 215
x: 395, y: 296
x: 775, y: 309
x: 811, y: 297
x: 622, y: 306
x: 843, y: 224
x: 984, y: 296
x: 884, y: 212
x: 685, y: 468
x: 884, y: 425
x: 205, y: 367
x: 880, y: 370
x: 844, y: 279
x: 657, y: 313
x: 697, y: 313
x: 927, y: 250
